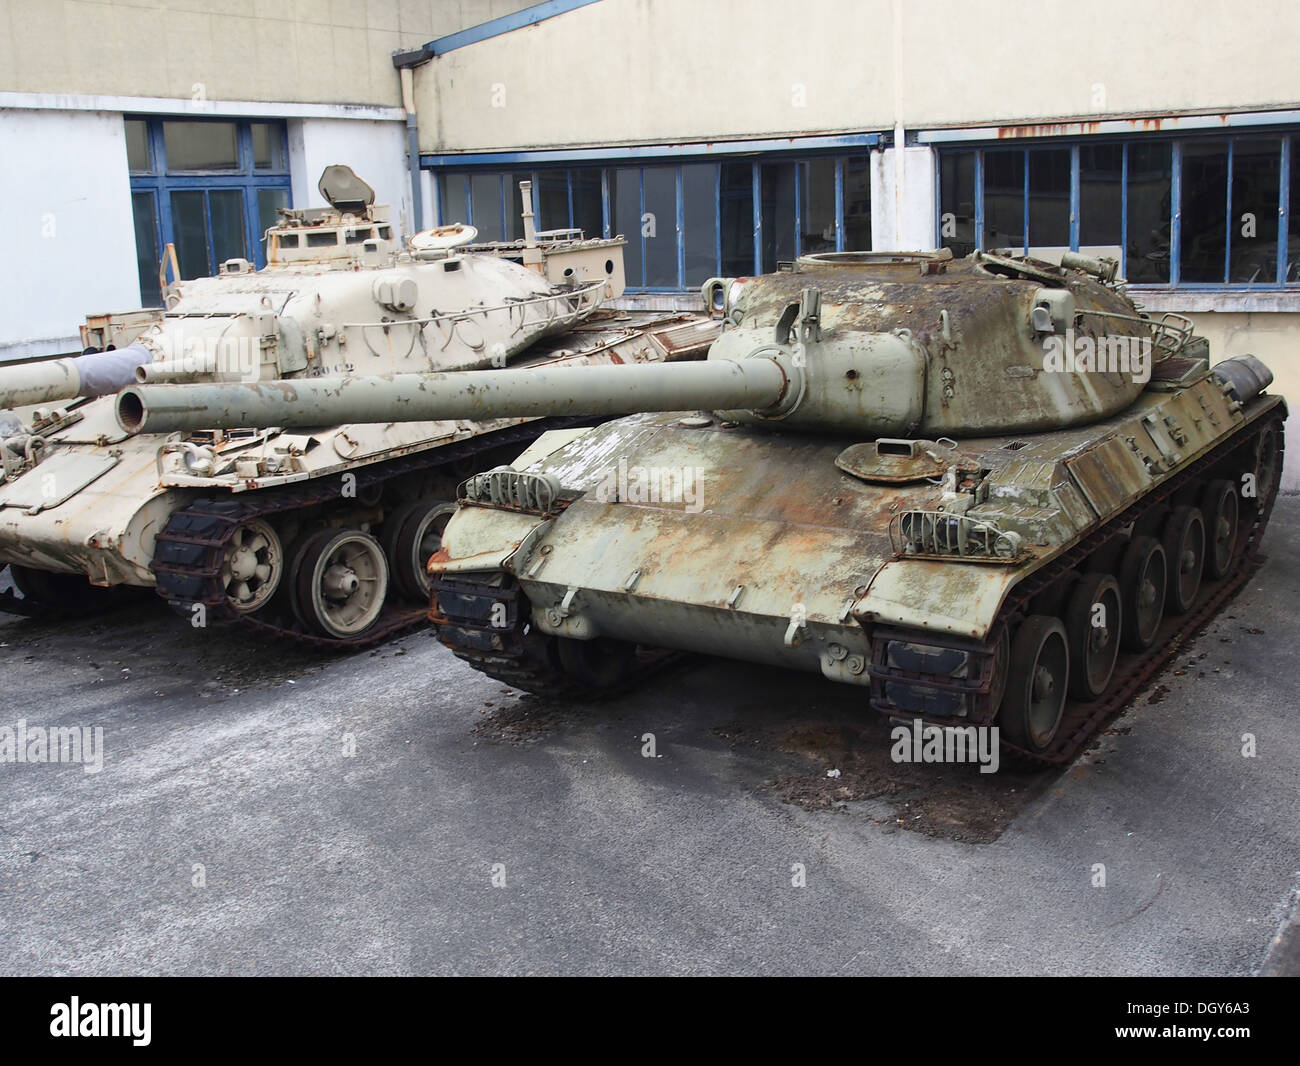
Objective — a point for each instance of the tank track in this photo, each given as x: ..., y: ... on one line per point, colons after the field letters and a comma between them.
x: 1082, y: 719
x: 516, y: 655
x: 514, y: 652
x: 189, y: 551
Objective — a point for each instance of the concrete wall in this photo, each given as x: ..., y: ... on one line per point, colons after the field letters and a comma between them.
x: 69, y: 247
x: 280, y: 50
x: 675, y: 70
x: 375, y: 150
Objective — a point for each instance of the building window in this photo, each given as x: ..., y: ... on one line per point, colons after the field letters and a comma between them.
x: 210, y: 187
x: 683, y: 223
x: 1186, y: 211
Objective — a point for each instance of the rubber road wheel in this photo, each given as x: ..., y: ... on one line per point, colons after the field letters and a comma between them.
x: 1184, y: 544
x: 1038, y: 679
x: 1093, y: 621
x: 1142, y: 582
x: 1220, y: 510
x: 342, y: 582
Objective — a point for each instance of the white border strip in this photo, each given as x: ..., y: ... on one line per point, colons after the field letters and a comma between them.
x: 155, y: 105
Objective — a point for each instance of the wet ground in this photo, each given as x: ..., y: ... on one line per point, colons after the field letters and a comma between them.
x: 272, y: 809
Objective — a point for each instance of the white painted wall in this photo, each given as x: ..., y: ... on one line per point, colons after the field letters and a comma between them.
x: 375, y: 150
x: 902, y: 215
x: 653, y: 71
x: 69, y: 247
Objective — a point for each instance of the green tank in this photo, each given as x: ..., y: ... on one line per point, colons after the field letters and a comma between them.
x: 987, y: 491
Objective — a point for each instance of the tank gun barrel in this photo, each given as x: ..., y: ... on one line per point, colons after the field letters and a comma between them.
x: 51, y: 381
x: 756, y: 384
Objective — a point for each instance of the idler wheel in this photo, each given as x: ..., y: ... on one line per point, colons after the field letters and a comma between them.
x: 252, y: 566
x: 599, y: 664
x: 1220, y: 510
x: 1038, y: 678
x: 341, y: 581
x: 412, y: 533
x: 1184, y: 544
x: 1142, y: 581
x: 1093, y: 621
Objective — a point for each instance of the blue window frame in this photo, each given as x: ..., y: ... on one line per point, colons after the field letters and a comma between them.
x: 684, y: 222
x: 1199, y: 211
x: 209, y: 186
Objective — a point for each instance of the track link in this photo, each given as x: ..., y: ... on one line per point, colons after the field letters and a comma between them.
x: 486, y: 621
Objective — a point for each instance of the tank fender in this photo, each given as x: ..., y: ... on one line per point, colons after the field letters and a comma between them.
x: 951, y: 599
x: 486, y: 538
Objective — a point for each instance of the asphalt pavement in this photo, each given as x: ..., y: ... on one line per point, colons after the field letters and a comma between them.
x: 271, y: 810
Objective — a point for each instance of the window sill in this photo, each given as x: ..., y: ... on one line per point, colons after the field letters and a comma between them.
x: 1193, y: 300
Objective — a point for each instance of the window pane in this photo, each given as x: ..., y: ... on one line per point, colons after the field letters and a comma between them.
x: 1004, y: 199
x: 227, y: 207
x: 588, y: 211
x: 485, y: 190
x: 1255, y: 169
x: 553, y: 197
x: 857, y: 204
x: 267, y: 202
x: 1101, y: 200
x: 137, y: 147
x: 700, y: 222
x: 146, y: 247
x: 957, y: 202
x: 1204, y: 210
x: 515, y: 204
x: 817, y: 206
x: 190, y: 231
x: 776, y: 181
x: 661, y: 228
x: 200, y: 146
x: 451, y: 199
x: 625, y: 202
x: 737, y: 219
x: 1049, y: 198
x: 1292, y: 266
x: 1150, y: 171
x: 268, y: 146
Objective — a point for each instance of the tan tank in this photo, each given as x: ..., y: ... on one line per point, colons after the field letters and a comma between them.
x: 321, y: 532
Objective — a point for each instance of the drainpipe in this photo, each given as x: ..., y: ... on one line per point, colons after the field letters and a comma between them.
x: 406, y: 62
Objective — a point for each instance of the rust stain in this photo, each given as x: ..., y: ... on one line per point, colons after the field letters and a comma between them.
x: 1049, y: 129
